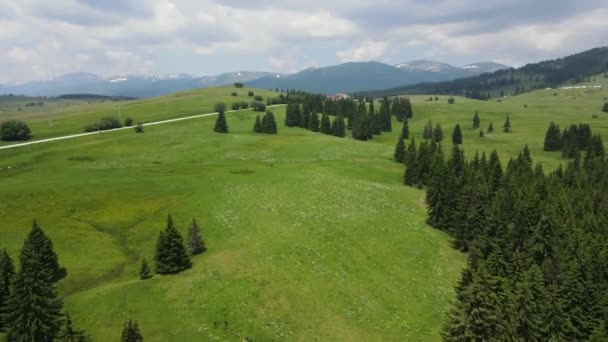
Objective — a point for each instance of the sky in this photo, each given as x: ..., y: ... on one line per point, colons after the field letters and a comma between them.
x: 42, y: 39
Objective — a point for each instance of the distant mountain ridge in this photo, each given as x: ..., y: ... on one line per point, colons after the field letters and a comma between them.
x: 347, y: 77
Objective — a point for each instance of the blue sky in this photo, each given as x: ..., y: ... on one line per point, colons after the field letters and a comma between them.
x: 41, y: 39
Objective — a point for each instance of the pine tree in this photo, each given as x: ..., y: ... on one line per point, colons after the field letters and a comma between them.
x: 339, y: 127
x: 399, y: 155
x: 34, y: 309
x: 490, y: 128
x: 171, y: 256
x: 314, y: 122
x: 325, y: 127
x: 196, y: 245
x: 476, y: 121
x: 130, y: 332
x: 405, y: 130
x: 69, y: 334
x: 7, y: 272
x: 269, y: 125
x: 292, y: 114
x: 221, y: 126
x: 428, y: 131
x: 553, y: 139
x: 410, y: 176
x: 507, y: 125
x: 257, y: 127
x: 529, y: 304
x: 457, y: 135
x: 437, y: 133
x: 144, y: 270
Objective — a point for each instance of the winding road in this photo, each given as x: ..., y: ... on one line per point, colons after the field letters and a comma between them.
x: 117, y: 129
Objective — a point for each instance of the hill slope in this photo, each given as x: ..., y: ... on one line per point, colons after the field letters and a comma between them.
x: 552, y: 73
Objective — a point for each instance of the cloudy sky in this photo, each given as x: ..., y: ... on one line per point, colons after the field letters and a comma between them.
x: 41, y: 39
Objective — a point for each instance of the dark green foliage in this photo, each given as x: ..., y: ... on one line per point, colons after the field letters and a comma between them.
x: 339, y: 126
x: 490, y: 128
x: 385, y: 115
x: 69, y: 334
x: 325, y: 127
x: 250, y: 93
x: 128, y: 121
x: 258, y: 98
x: 293, y: 115
x: 427, y: 133
x: 130, y: 332
x: 196, y: 245
x: 171, y: 256
x: 139, y: 128
x: 399, y: 154
x: 476, y: 121
x: 457, y: 135
x: 221, y: 126
x: 553, y: 138
x: 269, y: 125
x: 313, y: 124
x: 258, y: 106
x: 235, y: 105
x: 506, y: 127
x: 33, y: 312
x: 405, y: 130
x: 7, y: 272
x: 104, y: 124
x: 401, y: 108
x: 451, y: 100
x: 605, y: 109
x: 481, y: 134
x: 144, y: 270
x: 257, y: 127
x: 410, y: 176
x: 437, y: 133
x: 11, y: 130
x: 219, y: 107
x: 238, y: 85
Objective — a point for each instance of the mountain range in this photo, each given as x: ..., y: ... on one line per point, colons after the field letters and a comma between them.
x: 347, y: 77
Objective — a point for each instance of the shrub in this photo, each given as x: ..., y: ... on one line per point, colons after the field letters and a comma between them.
x: 258, y: 106
x: 220, y: 107
x: 605, y: 107
x: 258, y: 98
x: 234, y: 93
x: 238, y: 85
x: 250, y: 93
x: 594, y: 116
x: 451, y: 100
x: 12, y: 130
x: 139, y: 128
x: 128, y: 121
x: 235, y: 105
x: 104, y: 124
x: 244, y: 104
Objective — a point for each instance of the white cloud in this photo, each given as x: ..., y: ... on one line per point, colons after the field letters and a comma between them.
x: 369, y: 50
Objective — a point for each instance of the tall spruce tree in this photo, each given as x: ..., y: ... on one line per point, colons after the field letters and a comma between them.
x: 313, y: 124
x: 221, y: 126
x: 269, y: 125
x: 171, y: 256
x: 34, y: 308
x: 428, y: 131
x: 410, y: 177
x: 399, y: 154
x: 196, y: 245
x: 506, y: 127
x: 325, y: 127
x: 70, y: 334
x: 457, y: 135
x: 130, y: 332
x: 476, y: 121
x: 339, y: 127
x: 553, y: 138
x: 405, y: 130
x: 7, y: 272
x: 257, y: 127
x: 292, y: 114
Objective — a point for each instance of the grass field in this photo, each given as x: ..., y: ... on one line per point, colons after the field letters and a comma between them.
x: 57, y: 119
x: 310, y: 237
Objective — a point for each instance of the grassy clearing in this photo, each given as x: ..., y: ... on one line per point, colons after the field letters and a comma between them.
x: 57, y: 119
x: 310, y: 237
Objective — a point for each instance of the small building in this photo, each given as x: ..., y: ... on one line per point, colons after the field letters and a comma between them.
x: 339, y: 96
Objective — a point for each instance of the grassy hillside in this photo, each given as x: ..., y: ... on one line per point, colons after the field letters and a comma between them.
x: 310, y: 237
x: 57, y: 120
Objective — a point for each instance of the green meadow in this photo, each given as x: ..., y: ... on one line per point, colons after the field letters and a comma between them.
x: 310, y: 237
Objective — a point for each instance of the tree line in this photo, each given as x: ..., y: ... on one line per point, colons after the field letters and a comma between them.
x: 537, y: 243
